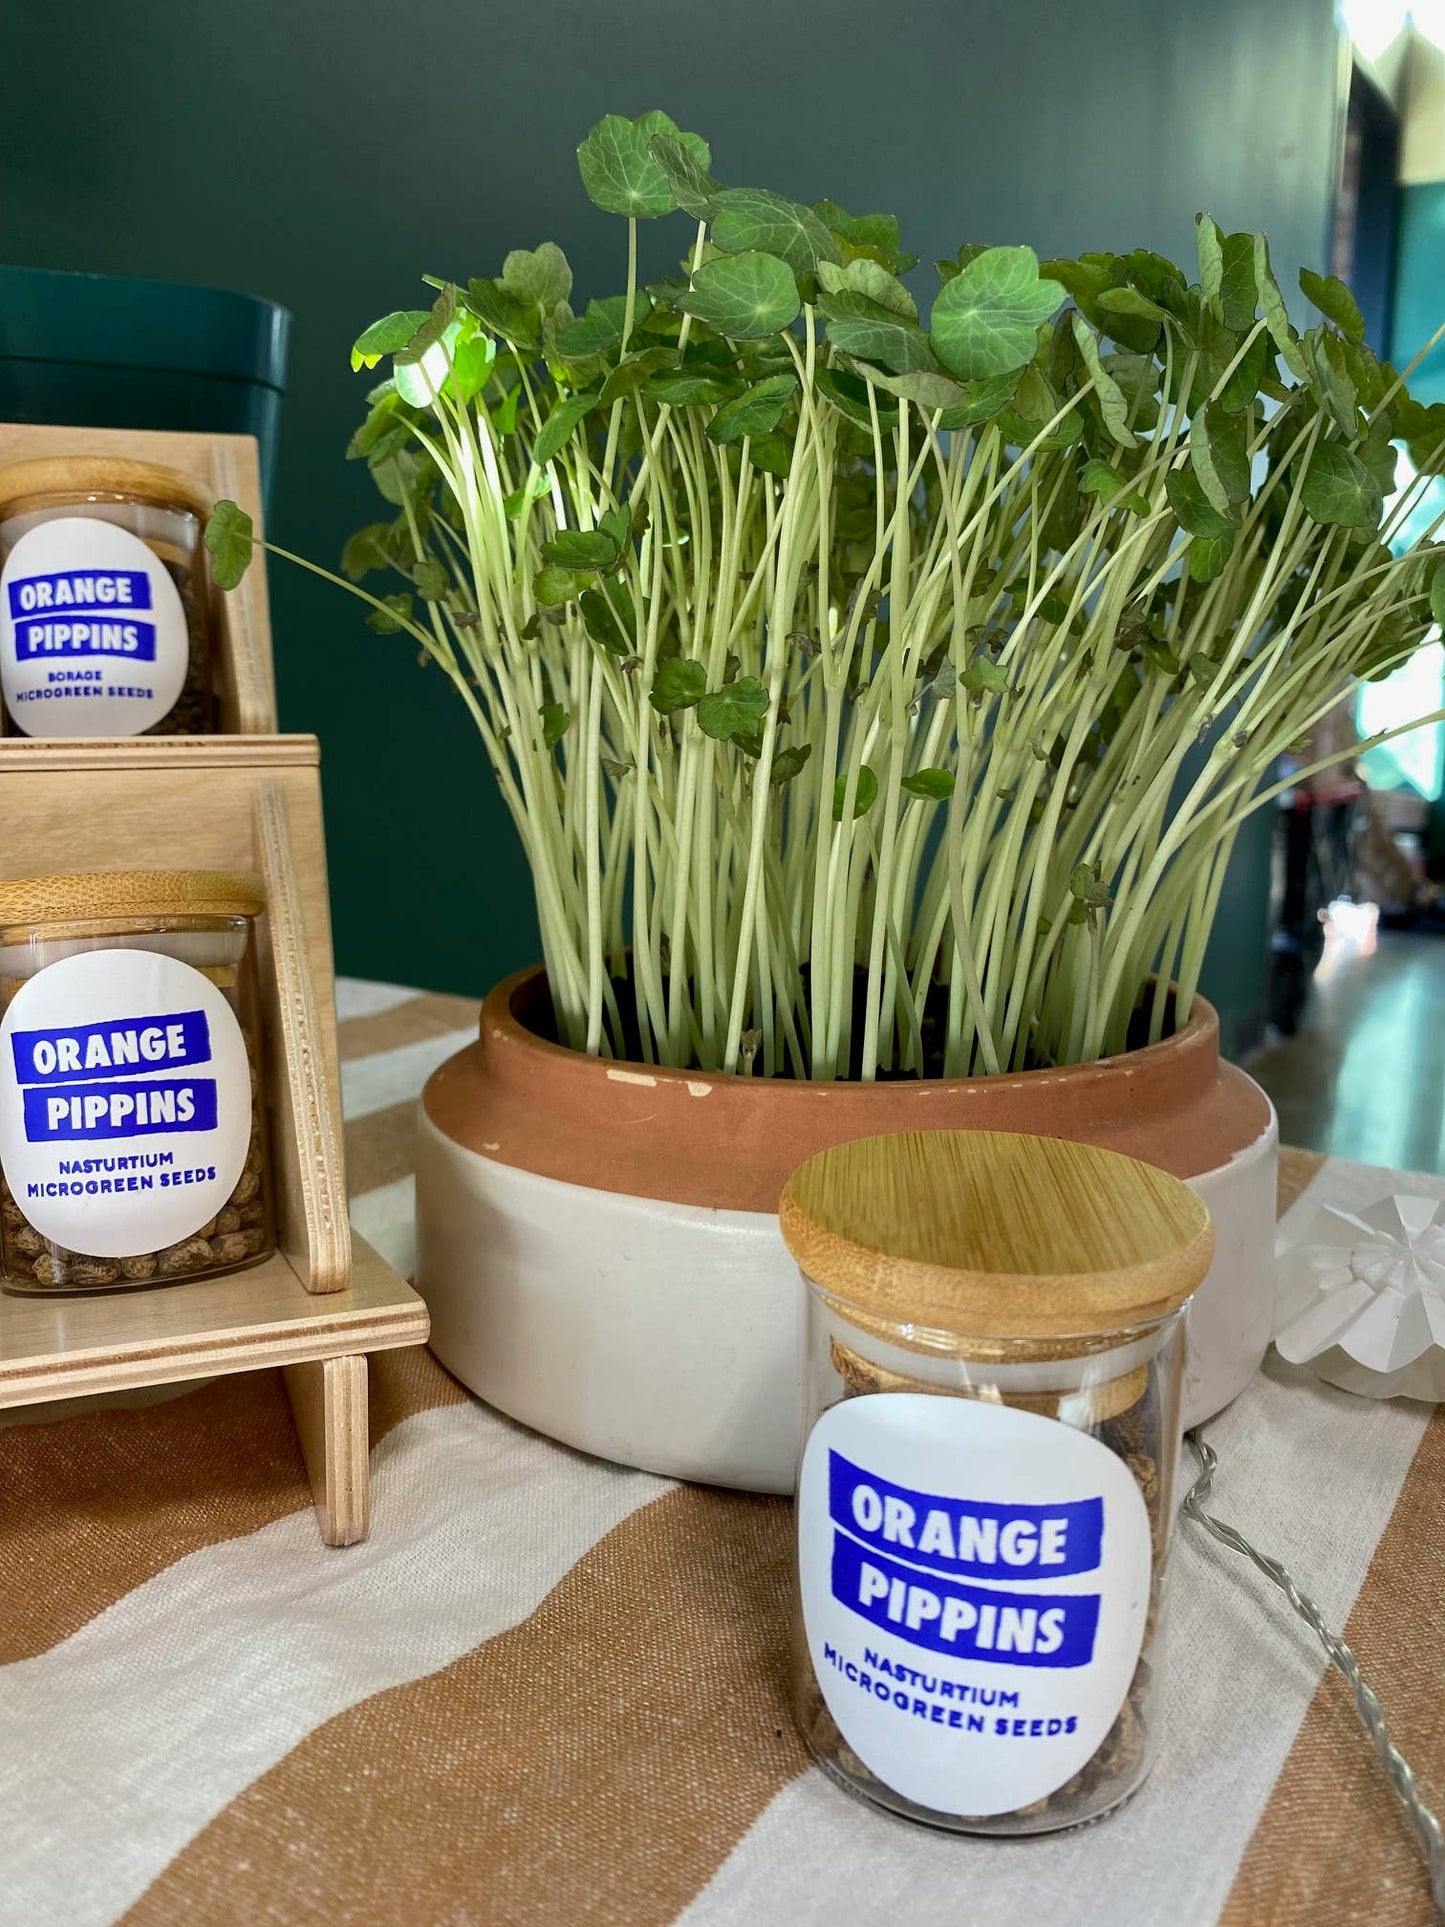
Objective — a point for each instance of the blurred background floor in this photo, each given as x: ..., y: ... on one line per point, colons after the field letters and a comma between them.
x: 1364, y: 1077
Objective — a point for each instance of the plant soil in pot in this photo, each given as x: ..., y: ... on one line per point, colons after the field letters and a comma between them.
x: 883, y: 661
x: 598, y: 1242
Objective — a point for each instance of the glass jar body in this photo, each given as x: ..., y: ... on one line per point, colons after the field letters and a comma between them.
x: 1075, y: 1731
x: 214, y: 1220
x: 171, y: 532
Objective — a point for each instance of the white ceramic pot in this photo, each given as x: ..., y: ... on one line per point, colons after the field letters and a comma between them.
x: 663, y: 1331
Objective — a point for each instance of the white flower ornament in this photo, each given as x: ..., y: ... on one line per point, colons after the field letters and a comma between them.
x: 1362, y: 1299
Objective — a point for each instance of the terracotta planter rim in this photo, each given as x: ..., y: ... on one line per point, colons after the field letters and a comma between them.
x: 499, y: 1016
x: 729, y: 1142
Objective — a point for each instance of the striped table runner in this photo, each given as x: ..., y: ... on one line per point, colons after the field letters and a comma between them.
x: 549, y: 1690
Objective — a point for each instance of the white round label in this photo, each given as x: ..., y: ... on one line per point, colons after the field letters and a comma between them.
x: 93, y: 637
x: 975, y: 1586
x: 125, y: 1101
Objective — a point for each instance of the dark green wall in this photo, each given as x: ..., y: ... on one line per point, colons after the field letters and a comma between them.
x: 326, y: 152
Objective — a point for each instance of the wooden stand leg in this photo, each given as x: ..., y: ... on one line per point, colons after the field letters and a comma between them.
x: 328, y: 1401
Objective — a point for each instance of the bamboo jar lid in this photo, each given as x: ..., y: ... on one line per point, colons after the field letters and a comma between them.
x: 113, y: 895
x: 100, y: 475
x: 995, y: 1235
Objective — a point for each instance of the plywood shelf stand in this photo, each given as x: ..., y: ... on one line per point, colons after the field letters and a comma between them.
x: 249, y: 800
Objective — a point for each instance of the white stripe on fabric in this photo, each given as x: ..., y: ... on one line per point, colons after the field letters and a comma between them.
x: 356, y: 997
x: 1311, y: 1475
x: 386, y: 1218
x: 124, y: 1740
x: 390, y: 1077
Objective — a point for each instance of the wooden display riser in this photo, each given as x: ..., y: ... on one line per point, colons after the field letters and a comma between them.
x: 61, y: 1347
x: 325, y: 1299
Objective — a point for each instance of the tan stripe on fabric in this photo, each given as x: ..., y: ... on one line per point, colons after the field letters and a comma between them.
x: 596, y: 1763
x: 96, y: 1504
x: 1332, y: 1845
x: 380, y: 1147
x: 1296, y: 1170
x: 409, y: 1023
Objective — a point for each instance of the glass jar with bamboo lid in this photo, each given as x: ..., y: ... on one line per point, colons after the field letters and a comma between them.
x: 991, y: 1429
x: 104, y: 601
x: 133, y: 1119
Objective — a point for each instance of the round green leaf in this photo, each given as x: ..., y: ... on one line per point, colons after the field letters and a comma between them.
x: 1335, y: 303
x: 863, y: 798
x: 618, y: 169
x: 581, y: 549
x: 684, y: 160
x: 748, y: 220
x: 611, y: 616
x: 1337, y: 489
x: 229, y: 540
x: 678, y: 683
x: 735, y: 712
x: 861, y: 327
x: 559, y: 425
x: 788, y: 763
x: 1209, y: 553
x: 934, y: 785
x: 1238, y: 297
x: 986, y: 319
x: 392, y: 617
x: 541, y: 276
x: 597, y: 330
x: 387, y: 336
x: 758, y: 412
x: 1195, y: 513
x: 744, y: 296
x: 553, y: 586
x: 872, y: 280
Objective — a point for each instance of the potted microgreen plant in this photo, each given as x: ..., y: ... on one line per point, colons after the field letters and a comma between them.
x: 877, y: 695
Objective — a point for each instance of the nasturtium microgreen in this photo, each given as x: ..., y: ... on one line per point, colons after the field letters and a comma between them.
x: 932, y: 785
x: 1219, y: 454
x: 391, y: 615
x: 1337, y: 488
x: 865, y: 794
x: 229, y: 539
x: 386, y: 337
x: 610, y: 616
x: 539, y: 275
x: 747, y: 220
x: 985, y: 320
x: 683, y: 160
x: 581, y: 549
x: 948, y: 598
x: 555, y: 432
x: 746, y: 296
x: 554, y: 585
x: 678, y: 683
x: 860, y: 327
x: 619, y: 171
x: 756, y: 412
x: 867, y: 277
x: 734, y: 713
x: 595, y: 331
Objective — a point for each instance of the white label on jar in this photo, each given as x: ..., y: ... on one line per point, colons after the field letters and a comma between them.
x: 93, y: 637
x: 975, y: 1585
x: 125, y: 1101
